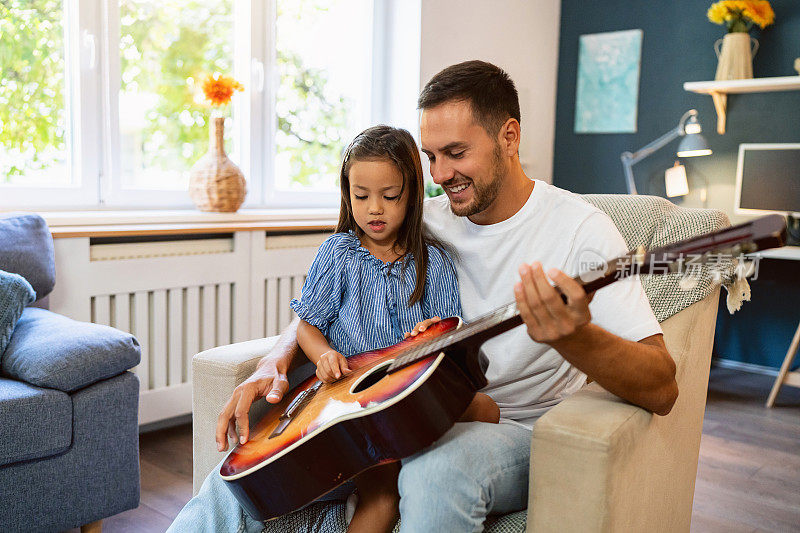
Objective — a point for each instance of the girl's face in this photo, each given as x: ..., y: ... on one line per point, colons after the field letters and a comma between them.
x: 378, y: 205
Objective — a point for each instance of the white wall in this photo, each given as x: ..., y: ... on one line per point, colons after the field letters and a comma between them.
x: 520, y: 36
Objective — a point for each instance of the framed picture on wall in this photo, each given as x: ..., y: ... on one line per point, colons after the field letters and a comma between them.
x: 607, y: 94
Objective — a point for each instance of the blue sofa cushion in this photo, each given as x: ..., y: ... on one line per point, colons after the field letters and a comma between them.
x: 34, y: 422
x: 53, y: 351
x: 15, y: 294
x: 26, y: 248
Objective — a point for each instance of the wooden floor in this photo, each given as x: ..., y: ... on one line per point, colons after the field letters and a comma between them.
x: 748, y: 477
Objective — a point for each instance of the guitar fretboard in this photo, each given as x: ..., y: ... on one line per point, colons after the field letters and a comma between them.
x: 480, y: 324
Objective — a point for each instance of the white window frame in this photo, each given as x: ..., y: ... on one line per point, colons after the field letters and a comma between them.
x: 113, y: 191
x: 92, y: 60
x: 272, y: 196
x: 81, y: 62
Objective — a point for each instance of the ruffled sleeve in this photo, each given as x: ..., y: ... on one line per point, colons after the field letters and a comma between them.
x: 441, y: 287
x: 321, y: 297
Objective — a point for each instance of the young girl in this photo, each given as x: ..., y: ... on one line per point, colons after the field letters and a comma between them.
x: 377, y: 278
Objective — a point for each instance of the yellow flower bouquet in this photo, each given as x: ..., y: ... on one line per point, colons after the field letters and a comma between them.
x: 740, y: 15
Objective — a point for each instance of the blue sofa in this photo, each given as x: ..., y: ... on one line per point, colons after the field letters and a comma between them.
x: 69, y: 442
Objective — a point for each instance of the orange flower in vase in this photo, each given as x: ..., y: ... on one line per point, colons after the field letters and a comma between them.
x: 215, y: 182
x: 219, y: 90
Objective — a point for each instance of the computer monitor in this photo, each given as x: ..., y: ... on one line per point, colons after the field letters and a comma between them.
x: 768, y: 179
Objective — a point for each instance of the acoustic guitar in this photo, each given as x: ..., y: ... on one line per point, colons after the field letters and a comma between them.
x: 400, y: 399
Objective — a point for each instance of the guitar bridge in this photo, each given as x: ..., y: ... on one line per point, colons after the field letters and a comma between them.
x: 280, y: 428
x: 297, y: 405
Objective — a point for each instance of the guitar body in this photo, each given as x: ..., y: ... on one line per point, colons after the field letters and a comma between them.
x: 365, y: 419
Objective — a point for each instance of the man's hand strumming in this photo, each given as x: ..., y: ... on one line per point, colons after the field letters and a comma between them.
x: 269, y: 380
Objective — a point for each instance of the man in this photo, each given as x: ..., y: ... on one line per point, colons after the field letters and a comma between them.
x: 497, y: 218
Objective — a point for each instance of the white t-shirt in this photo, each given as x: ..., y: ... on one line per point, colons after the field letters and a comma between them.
x: 559, y: 229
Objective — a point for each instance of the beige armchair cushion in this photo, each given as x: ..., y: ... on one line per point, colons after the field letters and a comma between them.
x: 216, y: 373
x: 602, y: 464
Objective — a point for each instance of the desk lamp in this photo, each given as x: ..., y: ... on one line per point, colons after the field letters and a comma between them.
x: 692, y: 144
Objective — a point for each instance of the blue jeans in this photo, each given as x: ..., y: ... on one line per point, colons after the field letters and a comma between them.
x: 473, y: 470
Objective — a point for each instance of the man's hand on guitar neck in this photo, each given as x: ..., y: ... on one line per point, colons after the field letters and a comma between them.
x: 641, y: 372
x: 548, y: 318
x: 269, y: 381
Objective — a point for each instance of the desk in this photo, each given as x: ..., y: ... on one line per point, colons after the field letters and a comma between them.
x: 784, y: 375
x: 787, y: 252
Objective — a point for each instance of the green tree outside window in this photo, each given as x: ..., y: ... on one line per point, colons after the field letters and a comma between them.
x: 32, y: 109
x: 164, y: 47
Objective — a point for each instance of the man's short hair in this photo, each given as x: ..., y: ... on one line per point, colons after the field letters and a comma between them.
x: 487, y: 88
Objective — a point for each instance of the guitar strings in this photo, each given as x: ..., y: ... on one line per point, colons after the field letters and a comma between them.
x: 481, y: 323
x: 639, y: 261
x: 437, y: 344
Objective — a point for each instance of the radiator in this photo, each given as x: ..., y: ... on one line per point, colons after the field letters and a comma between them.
x: 179, y: 296
x: 171, y: 326
x: 278, y: 291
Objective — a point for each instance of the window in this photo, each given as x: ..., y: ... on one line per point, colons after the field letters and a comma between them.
x: 165, y: 48
x: 99, y: 101
x: 323, y: 93
x: 33, y: 94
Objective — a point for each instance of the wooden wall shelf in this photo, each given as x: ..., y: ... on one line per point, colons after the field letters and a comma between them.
x: 719, y: 91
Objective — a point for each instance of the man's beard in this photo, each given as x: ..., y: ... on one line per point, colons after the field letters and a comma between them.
x: 484, y: 195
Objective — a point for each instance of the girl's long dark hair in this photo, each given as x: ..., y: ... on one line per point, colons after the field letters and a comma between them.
x: 398, y: 146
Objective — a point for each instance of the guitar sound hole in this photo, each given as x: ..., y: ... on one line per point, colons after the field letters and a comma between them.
x: 367, y: 381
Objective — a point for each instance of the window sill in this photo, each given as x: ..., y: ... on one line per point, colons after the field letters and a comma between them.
x: 181, y: 216
x: 66, y: 224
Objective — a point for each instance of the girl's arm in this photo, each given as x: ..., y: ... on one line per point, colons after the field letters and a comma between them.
x: 311, y: 341
x: 331, y: 365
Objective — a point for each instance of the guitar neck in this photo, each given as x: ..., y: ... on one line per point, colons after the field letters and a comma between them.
x: 759, y: 234
x: 495, y: 322
x: 489, y: 325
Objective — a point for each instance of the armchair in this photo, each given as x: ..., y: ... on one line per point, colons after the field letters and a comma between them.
x: 68, y: 408
x: 598, y: 463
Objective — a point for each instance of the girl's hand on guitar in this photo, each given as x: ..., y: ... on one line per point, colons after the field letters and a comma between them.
x: 422, y: 326
x: 548, y: 318
x: 331, y: 366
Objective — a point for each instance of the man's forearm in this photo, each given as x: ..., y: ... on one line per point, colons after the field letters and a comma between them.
x: 641, y: 372
x: 286, y: 354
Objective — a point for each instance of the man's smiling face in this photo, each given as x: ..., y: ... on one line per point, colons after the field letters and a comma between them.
x: 464, y: 159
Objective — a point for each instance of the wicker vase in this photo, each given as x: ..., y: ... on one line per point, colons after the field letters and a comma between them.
x: 215, y: 182
x: 736, y: 56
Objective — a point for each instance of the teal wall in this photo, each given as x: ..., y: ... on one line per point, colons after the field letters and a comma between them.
x: 677, y: 47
